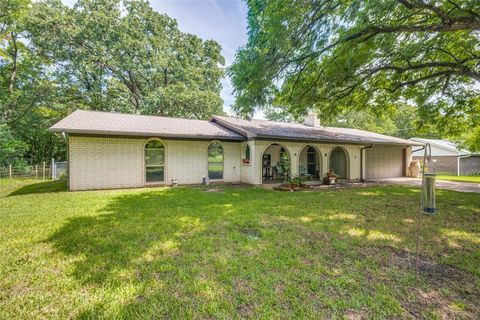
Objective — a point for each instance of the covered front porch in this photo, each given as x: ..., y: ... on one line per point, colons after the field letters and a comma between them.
x: 281, y: 161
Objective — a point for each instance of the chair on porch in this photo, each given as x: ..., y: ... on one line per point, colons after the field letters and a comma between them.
x: 302, y: 171
x: 279, y: 172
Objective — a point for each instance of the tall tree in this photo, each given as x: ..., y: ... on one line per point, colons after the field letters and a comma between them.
x: 27, y: 93
x: 339, y: 56
x: 122, y: 55
x: 113, y: 55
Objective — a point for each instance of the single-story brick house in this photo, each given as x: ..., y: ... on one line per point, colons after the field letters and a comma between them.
x: 113, y: 150
x: 448, y: 158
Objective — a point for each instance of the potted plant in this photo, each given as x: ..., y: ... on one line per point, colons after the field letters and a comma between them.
x: 292, y: 184
x: 297, y: 183
x: 331, y: 178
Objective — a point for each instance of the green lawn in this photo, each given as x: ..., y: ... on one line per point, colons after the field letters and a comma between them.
x: 235, y: 251
x: 459, y: 178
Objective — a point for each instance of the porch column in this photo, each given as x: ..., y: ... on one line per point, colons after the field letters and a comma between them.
x: 324, y: 154
x: 294, y: 161
x: 256, y: 167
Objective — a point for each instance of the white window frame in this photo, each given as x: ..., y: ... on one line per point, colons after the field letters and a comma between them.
x: 223, y: 160
x: 145, y: 166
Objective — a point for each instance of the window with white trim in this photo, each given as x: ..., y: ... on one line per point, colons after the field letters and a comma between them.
x: 215, y: 161
x: 154, y: 162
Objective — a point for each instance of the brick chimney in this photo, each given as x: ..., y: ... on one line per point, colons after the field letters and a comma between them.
x: 312, y: 120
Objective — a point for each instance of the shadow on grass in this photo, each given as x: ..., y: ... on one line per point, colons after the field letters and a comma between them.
x: 184, y: 252
x: 41, y: 187
x: 141, y: 226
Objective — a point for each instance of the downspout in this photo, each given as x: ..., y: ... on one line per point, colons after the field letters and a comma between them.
x: 361, y: 161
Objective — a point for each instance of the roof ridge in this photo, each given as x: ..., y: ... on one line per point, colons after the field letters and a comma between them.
x: 263, y: 120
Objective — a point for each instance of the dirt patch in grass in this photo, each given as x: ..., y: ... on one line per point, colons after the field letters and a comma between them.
x: 425, y: 266
x: 246, y: 311
x: 351, y: 314
x: 433, y: 302
x: 436, y: 300
x: 251, y: 232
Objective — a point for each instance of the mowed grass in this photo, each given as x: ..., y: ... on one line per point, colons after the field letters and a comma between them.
x: 459, y: 178
x: 236, y: 252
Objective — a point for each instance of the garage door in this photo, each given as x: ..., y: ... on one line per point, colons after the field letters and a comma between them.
x: 384, y: 162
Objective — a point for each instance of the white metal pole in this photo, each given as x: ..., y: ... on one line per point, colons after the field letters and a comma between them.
x: 10, y: 171
x: 36, y: 172
x: 458, y: 166
x: 52, y: 168
x: 43, y: 171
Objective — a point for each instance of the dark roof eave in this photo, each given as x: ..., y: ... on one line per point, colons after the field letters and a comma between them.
x: 306, y: 139
x: 145, y: 134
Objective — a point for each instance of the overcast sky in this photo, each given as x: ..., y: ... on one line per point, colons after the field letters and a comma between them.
x: 222, y: 20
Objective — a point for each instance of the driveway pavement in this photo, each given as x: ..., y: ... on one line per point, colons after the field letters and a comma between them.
x: 441, y: 184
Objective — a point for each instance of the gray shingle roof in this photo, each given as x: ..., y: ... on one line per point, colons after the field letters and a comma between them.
x: 296, y: 131
x: 220, y: 127
x: 108, y: 123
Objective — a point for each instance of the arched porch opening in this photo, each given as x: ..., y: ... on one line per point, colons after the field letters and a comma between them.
x: 276, y: 163
x: 338, y: 162
x: 310, y: 163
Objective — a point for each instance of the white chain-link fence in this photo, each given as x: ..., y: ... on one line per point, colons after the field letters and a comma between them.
x: 43, y: 171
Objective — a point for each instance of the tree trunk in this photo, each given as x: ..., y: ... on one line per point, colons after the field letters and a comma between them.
x: 13, y: 74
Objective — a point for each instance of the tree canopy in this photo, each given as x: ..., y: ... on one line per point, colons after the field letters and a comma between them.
x: 111, y: 55
x: 355, y: 56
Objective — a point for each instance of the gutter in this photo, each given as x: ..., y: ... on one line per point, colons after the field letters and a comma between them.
x: 361, y: 161
x: 107, y: 133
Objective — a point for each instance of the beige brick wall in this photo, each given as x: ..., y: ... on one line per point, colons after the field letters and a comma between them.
x: 106, y: 163
x: 187, y: 161
x: 384, y: 161
x: 249, y: 171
